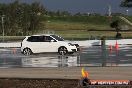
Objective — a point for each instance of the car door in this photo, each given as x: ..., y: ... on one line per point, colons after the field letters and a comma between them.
x: 34, y: 44
x: 48, y: 45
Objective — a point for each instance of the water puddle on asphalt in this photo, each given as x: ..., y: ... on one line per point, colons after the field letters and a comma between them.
x: 54, y: 61
x: 91, y: 56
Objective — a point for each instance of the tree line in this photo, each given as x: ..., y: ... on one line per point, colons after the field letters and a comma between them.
x: 21, y: 18
x: 25, y: 19
x: 126, y: 3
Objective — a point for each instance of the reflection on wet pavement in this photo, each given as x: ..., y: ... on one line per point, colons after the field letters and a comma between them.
x: 95, y: 56
x: 91, y: 56
x: 53, y: 61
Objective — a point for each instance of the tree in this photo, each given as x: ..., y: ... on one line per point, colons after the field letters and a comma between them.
x: 126, y: 3
x: 35, y: 13
x: 21, y: 17
x: 78, y: 14
x: 65, y: 13
x: 115, y: 24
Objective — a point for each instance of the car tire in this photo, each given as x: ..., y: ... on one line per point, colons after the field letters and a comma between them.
x: 62, y: 50
x: 27, y: 51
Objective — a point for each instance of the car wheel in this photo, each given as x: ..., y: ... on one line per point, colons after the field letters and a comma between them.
x: 62, y: 50
x: 27, y: 51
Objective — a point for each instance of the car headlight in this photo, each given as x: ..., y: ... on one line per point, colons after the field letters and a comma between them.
x: 70, y: 44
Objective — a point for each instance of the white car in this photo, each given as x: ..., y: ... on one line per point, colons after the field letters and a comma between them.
x: 47, y: 43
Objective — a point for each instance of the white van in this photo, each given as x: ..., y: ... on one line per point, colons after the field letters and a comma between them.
x: 47, y: 43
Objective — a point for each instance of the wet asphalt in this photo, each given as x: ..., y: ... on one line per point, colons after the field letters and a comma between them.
x: 88, y: 56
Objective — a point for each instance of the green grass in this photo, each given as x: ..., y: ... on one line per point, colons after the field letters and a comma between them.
x: 83, y: 19
x: 76, y: 35
x: 82, y: 22
x: 129, y: 18
x: 78, y: 23
x: 84, y: 27
x: 94, y: 34
x: 78, y: 28
x: 61, y: 25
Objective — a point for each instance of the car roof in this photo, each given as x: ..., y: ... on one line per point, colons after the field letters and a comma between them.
x: 43, y: 35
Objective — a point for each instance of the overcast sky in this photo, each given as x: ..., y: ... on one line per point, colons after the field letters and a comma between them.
x: 83, y: 6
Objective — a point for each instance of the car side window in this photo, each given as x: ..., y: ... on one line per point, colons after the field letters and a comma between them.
x: 47, y: 38
x: 32, y: 39
x: 40, y: 39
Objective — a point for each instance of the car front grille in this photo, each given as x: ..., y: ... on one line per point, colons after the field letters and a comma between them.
x: 74, y: 50
x: 77, y: 46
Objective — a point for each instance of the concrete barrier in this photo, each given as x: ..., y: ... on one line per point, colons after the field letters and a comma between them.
x: 108, y: 42
x: 10, y: 45
x: 81, y: 43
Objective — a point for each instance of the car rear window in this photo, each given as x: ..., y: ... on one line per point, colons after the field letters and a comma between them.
x: 33, y: 39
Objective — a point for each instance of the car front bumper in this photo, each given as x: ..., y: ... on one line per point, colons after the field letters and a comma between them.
x: 72, y: 49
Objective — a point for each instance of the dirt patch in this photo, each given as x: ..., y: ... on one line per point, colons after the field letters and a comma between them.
x: 47, y: 83
x: 39, y: 83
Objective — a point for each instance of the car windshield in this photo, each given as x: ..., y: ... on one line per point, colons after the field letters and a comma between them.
x: 57, y: 38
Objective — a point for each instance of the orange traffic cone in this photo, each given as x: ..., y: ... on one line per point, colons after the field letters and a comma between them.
x: 14, y: 50
x: 116, y: 45
x: 80, y: 49
x: 110, y: 47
